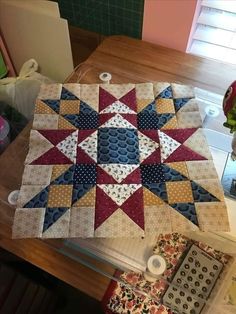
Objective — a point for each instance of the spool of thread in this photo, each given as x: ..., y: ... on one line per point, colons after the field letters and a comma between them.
x: 212, y: 111
x: 156, y: 265
x: 12, y: 197
x: 105, y: 77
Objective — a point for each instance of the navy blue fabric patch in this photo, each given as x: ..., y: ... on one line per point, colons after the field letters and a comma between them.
x: 202, y: 195
x: 152, y: 173
x: 79, y: 190
x: 67, y: 95
x: 53, y: 104
x: 52, y: 214
x: 158, y: 189
x: 85, y: 173
x: 83, y: 121
x: 180, y: 102
x: 172, y: 174
x: 38, y: 201
x: 85, y: 108
x: 66, y: 177
x: 73, y: 119
x: 118, y: 145
x: 88, y: 121
x: 151, y: 108
x: 153, y: 121
x: 166, y: 93
x: 187, y: 210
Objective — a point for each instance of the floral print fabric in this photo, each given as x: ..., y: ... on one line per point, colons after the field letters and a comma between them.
x: 139, y: 296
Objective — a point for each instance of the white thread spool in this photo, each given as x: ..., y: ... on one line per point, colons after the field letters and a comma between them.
x: 156, y: 265
x: 105, y: 77
x: 212, y: 111
x: 12, y: 197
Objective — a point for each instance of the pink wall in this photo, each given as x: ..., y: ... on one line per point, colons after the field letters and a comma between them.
x: 168, y: 22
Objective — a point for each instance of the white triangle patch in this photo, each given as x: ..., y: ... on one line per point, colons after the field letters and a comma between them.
x: 146, y: 146
x: 39, y: 145
x: 180, y: 223
x: 69, y: 146
x: 119, y: 193
x: 120, y: 225
x: 118, y: 90
x: 89, y: 145
x: 160, y: 87
x: 60, y: 228
x: 27, y: 192
x: 198, y: 143
x: 118, y: 122
x: 118, y: 107
x: 74, y: 88
x: 118, y: 171
x: 168, y: 145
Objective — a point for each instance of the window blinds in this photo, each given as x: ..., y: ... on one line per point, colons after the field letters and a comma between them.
x: 215, y: 33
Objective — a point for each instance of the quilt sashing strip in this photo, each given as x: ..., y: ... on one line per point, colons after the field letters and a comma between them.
x: 117, y: 160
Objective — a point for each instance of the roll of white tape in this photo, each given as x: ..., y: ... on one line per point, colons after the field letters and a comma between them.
x: 105, y: 77
x: 212, y: 111
x: 13, y: 196
x: 156, y: 265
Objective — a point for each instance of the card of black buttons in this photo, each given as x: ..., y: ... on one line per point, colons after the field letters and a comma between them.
x: 193, y: 282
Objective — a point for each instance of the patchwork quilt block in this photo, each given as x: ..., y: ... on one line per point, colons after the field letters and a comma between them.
x: 117, y: 161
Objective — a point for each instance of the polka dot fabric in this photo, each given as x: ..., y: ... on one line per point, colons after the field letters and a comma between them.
x: 85, y: 174
x: 152, y: 121
x: 60, y: 196
x: 179, y: 192
x: 106, y: 160
x: 152, y: 173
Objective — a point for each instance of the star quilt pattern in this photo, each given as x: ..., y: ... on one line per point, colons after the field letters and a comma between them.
x: 117, y: 160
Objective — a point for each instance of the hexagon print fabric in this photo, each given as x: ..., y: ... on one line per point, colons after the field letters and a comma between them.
x: 114, y: 160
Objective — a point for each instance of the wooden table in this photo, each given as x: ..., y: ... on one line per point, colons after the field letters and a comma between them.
x: 128, y: 60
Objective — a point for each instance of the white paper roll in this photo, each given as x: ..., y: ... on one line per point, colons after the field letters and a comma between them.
x: 156, y: 265
x: 12, y: 197
x: 105, y: 77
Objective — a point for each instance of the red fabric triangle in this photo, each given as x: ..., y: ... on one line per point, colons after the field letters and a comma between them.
x: 104, y: 117
x: 52, y: 157
x: 129, y: 99
x: 180, y: 135
x: 154, y: 158
x: 133, y: 177
x: 104, y: 207
x: 55, y: 136
x: 152, y: 134
x: 104, y: 178
x: 83, y: 158
x: 134, y: 207
x: 105, y: 99
x: 83, y: 134
x: 131, y: 118
x: 183, y: 153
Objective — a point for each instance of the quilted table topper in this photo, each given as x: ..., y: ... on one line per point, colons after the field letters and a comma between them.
x: 117, y: 161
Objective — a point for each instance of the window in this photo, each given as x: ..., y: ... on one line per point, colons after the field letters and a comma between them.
x: 215, y: 33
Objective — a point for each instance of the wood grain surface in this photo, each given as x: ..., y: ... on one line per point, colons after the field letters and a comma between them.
x: 131, y: 60
x: 128, y: 60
